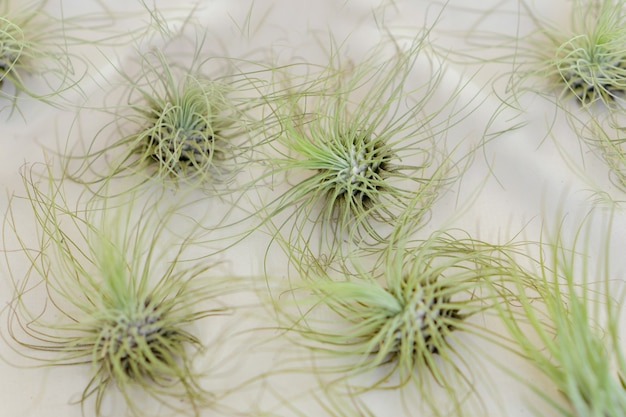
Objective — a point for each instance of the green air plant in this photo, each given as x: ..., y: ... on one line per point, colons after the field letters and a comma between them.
x: 34, y: 58
x: 118, y: 297
x: 12, y: 46
x: 402, y: 323
x: 46, y: 49
x: 586, y: 61
x: 360, y: 142
x: 592, y: 62
x: 25, y: 33
x: 184, y: 116
x: 570, y: 328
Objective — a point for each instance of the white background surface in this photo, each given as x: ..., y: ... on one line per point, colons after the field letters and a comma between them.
x: 531, y: 183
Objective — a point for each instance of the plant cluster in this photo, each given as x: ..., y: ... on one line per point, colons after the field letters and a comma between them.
x: 343, y: 162
x: 126, y: 299
x: 37, y: 52
x: 403, y: 320
x: 566, y: 317
x: 359, y: 144
x: 175, y: 123
x: 587, y: 62
x: 584, y: 61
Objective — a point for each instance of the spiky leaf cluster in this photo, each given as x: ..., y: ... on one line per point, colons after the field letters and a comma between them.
x: 403, y: 319
x: 567, y: 323
x: 124, y: 304
x: 358, y: 145
x: 592, y: 62
x: 184, y: 132
x: 35, y: 54
x: 178, y: 123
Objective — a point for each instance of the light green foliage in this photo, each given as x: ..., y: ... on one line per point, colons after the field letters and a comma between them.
x: 592, y: 62
x: 359, y: 143
x: 403, y: 320
x: 567, y: 325
x: 26, y: 32
x: 185, y: 117
x: 42, y: 45
x: 585, y: 60
x: 22, y: 33
x: 124, y: 299
x: 12, y: 46
x: 34, y: 56
x: 588, y: 61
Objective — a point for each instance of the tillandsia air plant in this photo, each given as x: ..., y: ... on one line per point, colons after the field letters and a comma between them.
x: 403, y: 322
x: 34, y: 58
x: 360, y: 142
x: 586, y: 61
x: 570, y: 327
x: 25, y: 31
x: 119, y: 299
x: 185, y: 116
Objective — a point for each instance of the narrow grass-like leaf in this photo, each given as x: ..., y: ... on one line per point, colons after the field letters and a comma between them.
x: 570, y: 327
x: 585, y: 60
x: 40, y: 50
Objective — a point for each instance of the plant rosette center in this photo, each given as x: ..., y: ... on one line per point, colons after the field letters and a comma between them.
x: 356, y: 167
x: 137, y: 342
x: 593, y: 71
x: 425, y: 319
x: 173, y: 143
x: 183, y: 129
